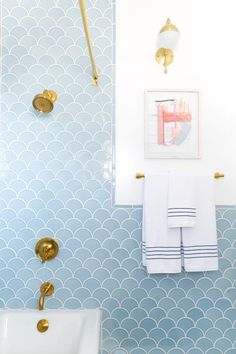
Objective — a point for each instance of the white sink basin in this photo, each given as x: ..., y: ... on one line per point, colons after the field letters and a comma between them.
x: 69, y: 332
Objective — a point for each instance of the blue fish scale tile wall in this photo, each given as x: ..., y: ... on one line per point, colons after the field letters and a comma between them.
x: 56, y: 180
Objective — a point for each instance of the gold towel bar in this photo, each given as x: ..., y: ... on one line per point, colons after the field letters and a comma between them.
x: 216, y: 175
x: 89, y: 42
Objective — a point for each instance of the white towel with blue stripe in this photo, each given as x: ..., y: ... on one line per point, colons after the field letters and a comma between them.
x: 160, y: 245
x: 181, y: 200
x: 200, y: 242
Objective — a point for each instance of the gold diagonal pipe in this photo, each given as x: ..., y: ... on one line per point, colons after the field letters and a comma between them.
x: 89, y: 42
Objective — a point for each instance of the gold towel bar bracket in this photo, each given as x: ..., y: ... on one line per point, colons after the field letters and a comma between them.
x: 89, y: 42
x: 217, y: 175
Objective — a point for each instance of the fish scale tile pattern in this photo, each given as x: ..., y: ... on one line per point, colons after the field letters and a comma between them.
x: 56, y: 180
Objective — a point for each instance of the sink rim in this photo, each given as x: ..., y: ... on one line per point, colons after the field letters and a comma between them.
x: 49, y: 310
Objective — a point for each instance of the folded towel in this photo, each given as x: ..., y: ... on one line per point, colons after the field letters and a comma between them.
x: 181, y: 200
x: 161, y: 246
x: 200, y: 243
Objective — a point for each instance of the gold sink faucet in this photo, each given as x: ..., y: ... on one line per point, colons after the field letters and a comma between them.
x: 46, y: 289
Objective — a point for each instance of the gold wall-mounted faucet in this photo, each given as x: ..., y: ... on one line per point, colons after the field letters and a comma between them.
x: 46, y: 289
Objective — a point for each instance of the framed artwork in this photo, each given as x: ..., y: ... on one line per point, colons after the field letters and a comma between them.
x: 171, y: 124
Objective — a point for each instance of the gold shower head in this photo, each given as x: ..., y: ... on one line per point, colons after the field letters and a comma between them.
x: 44, y: 102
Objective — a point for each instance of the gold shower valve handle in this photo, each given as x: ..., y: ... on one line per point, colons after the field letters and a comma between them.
x: 47, y: 289
x: 46, y: 252
x: 46, y: 249
x: 44, y: 102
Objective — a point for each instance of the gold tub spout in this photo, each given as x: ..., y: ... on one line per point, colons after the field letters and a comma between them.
x: 46, y: 289
x: 41, y: 302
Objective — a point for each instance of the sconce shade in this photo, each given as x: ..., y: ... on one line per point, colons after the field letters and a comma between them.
x: 168, y: 36
x: 168, y: 40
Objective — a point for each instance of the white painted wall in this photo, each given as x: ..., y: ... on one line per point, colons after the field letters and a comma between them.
x: 204, y: 61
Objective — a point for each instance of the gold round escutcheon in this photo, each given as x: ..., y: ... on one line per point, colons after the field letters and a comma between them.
x: 46, y: 249
x: 42, y: 326
x: 44, y: 102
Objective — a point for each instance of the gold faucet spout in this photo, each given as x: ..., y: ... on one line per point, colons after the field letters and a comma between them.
x: 46, y: 289
x: 41, y: 302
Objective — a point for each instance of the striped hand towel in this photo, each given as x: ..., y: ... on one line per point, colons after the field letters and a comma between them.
x: 181, y: 200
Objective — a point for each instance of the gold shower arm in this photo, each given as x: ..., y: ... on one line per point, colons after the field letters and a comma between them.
x: 89, y: 42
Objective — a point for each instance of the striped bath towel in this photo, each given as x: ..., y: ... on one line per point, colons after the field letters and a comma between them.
x: 161, y: 245
x: 200, y: 242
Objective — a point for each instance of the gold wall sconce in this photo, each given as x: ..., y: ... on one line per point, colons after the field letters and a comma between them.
x: 46, y: 249
x: 44, y: 102
x: 167, y: 41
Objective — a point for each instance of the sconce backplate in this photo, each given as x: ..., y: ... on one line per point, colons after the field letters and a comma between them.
x: 46, y: 249
x: 164, y: 56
